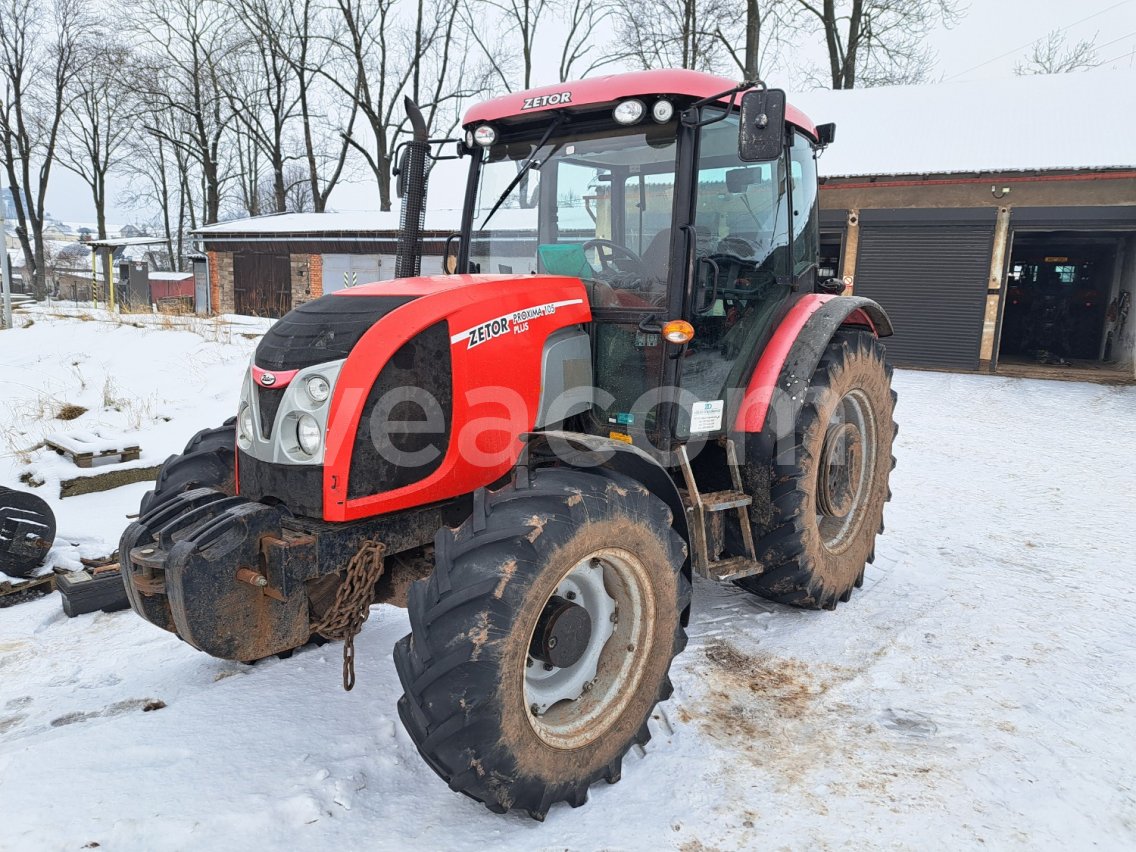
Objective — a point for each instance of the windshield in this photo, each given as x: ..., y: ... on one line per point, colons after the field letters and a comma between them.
x: 596, y: 206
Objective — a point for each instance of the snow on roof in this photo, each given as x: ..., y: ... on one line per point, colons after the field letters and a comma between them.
x: 307, y: 223
x: 117, y: 242
x: 1060, y: 121
x: 353, y: 222
x: 170, y: 276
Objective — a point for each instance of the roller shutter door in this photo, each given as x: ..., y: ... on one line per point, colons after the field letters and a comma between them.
x: 929, y: 270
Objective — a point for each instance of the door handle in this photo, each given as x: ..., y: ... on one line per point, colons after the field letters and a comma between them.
x: 650, y: 324
x: 715, y: 273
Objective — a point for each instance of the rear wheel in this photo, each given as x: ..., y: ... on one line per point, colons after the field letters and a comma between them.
x: 829, y: 485
x: 208, y: 461
x: 542, y: 641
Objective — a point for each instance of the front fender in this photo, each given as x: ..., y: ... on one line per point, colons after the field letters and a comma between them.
x: 791, y: 357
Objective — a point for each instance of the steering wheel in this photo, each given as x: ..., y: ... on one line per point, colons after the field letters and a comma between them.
x: 611, y: 254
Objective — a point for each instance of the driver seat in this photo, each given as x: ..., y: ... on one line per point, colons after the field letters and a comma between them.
x: 657, y: 255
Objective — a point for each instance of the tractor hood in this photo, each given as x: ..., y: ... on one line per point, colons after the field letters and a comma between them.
x: 428, y: 382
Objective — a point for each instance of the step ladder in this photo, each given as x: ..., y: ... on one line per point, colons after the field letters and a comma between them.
x: 707, y: 515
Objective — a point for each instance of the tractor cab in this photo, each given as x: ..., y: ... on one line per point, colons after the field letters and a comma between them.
x: 645, y: 187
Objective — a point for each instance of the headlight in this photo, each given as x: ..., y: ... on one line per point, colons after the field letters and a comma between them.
x: 485, y: 136
x: 662, y: 111
x: 245, y: 424
x: 629, y: 112
x: 318, y: 388
x: 308, y: 434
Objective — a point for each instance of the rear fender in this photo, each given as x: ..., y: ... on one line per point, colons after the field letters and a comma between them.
x: 786, y: 367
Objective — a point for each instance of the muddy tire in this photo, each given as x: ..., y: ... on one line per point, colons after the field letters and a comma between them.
x: 829, y: 482
x: 208, y: 461
x: 493, y: 718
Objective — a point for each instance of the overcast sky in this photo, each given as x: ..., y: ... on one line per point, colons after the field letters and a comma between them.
x: 985, y: 44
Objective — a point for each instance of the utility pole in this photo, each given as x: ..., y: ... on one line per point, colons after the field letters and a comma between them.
x: 5, y: 269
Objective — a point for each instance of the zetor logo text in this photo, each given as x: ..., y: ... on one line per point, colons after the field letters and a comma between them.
x: 516, y: 322
x: 547, y: 100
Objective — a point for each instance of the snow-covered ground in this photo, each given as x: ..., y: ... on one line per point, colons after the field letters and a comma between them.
x: 150, y: 380
x: 977, y: 692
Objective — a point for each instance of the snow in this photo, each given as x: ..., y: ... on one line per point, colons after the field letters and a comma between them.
x: 1060, y: 121
x: 148, y: 379
x: 976, y: 692
x: 170, y: 276
x: 306, y: 223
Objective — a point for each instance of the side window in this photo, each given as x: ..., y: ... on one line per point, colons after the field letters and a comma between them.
x: 742, y: 209
x: 805, y: 214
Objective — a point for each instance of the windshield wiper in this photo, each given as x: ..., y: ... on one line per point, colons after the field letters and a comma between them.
x: 524, y: 169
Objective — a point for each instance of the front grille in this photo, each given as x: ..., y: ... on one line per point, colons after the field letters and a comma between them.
x: 325, y: 329
x: 268, y: 401
x: 422, y: 363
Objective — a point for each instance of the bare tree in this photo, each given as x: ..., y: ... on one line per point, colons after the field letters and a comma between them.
x: 161, y: 180
x: 1055, y: 54
x: 264, y: 91
x: 666, y: 33
x: 754, y: 41
x: 877, y: 42
x: 39, y: 58
x: 326, y: 124
x: 98, y: 123
x: 183, y: 73
x: 580, y: 51
x: 510, y: 34
x: 382, y: 56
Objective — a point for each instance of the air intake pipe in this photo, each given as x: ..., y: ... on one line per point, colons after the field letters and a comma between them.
x: 411, y: 188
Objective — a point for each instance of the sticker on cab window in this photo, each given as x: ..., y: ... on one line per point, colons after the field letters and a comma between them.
x: 706, y: 416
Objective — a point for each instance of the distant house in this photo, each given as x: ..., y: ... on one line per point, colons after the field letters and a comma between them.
x: 170, y: 285
x: 267, y: 265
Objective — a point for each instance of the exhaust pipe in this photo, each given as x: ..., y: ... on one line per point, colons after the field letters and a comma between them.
x: 411, y: 188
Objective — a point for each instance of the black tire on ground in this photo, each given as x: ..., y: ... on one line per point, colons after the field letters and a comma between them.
x: 208, y: 461
x: 465, y: 667
x: 813, y: 554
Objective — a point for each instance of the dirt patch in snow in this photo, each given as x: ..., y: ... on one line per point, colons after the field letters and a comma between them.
x: 769, y: 710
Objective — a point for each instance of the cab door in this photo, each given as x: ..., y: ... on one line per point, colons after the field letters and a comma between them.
x: 756, y: 230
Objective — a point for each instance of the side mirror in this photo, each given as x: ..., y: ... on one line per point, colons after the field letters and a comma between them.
x: 826, y: 133
x: 761, y: 134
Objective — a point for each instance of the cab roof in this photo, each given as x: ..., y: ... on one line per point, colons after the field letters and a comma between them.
x: 611, y: 88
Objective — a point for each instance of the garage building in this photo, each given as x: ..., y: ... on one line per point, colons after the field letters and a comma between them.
x: 995, y: 221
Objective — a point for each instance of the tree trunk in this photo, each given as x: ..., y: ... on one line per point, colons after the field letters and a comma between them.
x: 753, y: 40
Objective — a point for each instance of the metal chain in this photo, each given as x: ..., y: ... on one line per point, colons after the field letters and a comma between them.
x: 345, y: 618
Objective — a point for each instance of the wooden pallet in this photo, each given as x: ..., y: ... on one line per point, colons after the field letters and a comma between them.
x: 17, y: 591
x: 84, y: 448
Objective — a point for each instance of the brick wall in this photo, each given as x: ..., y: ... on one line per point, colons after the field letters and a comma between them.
x: 315, y: 274
x: 301, y: 286
x: 221, y: 296
x: 214, y: 282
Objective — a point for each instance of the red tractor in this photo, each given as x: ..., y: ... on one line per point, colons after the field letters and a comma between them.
x: 632, y: 374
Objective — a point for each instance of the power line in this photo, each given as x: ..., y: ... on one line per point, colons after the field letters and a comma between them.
x: 1032, y: 41
x: 1122, y: 56
x: 1115, y: 40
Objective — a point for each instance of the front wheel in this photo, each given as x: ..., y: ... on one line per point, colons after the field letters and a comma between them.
x: 208, y: 461
x: 542, y: 641
x: 829, y: 482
